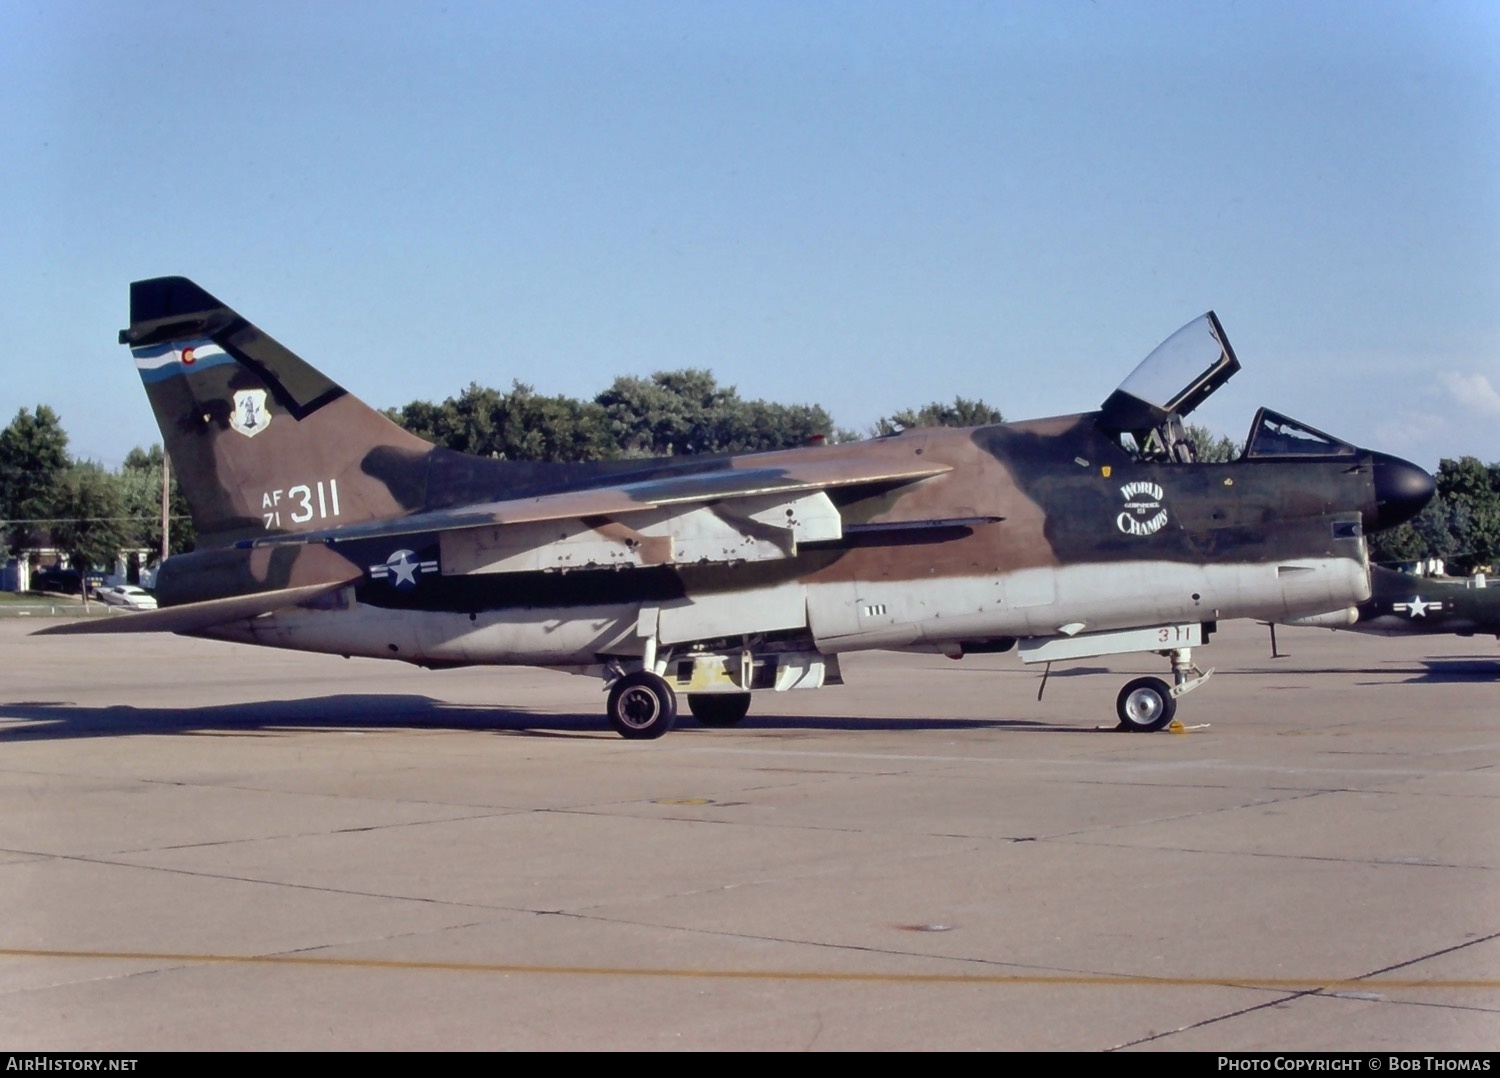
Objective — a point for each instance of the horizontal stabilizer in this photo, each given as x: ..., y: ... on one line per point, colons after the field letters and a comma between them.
x: 195, y: 617
x: 719, y: 485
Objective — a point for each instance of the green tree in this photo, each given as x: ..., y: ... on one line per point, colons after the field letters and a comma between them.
x: 33, y: 456
x: 755, y: 426
x: 89, y: 516
x: 963, y: 412
x: 670, y: 413
x: 687, y: 411
x: 1210, y: 448
x: 1428, y: 535
x: 422, y: 418
x: 519, y: 425
x: 1461, y: 524
x: 1470, y: 492
x: 534, y: 427
x: 140, y: 494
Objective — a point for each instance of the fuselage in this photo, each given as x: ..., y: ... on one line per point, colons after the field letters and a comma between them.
x: 1037, y: 528
x: 324, y: 526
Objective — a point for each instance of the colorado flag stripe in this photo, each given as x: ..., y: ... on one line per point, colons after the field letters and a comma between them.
x: 160, y: 361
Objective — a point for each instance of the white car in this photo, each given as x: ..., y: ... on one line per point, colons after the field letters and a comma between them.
x: 129, y: 596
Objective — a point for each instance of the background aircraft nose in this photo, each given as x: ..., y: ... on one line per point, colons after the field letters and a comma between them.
x: 1401, y: 490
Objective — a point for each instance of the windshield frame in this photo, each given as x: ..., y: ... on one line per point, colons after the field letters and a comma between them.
x: 1276, y: 436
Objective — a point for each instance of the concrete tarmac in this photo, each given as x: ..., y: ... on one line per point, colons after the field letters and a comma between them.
x: 209, y: 846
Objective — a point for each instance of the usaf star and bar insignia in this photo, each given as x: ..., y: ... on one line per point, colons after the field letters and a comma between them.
x: 402, y: 569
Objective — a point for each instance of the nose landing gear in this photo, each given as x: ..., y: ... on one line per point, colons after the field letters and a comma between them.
x: 1148, y: 703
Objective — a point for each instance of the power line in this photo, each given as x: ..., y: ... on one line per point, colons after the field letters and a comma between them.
x: 87, y: 520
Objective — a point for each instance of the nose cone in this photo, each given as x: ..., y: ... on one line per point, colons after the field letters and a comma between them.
x: 1401, y: 490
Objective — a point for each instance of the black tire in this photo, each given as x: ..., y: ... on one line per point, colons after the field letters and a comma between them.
x: 642, y: 706
x: 1145, y: 704
x: 719, y: 708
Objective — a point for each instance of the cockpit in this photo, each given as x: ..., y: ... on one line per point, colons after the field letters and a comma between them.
x: 1146, y: 412
x: 1275, y: 435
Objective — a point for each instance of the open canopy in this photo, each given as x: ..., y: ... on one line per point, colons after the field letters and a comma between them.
x: 1174, y: 379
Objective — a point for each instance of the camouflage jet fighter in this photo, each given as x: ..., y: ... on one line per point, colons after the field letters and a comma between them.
x: 322, y: 526
x: 1403, y: 604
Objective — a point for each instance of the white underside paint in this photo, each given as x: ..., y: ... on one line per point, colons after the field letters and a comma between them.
x: 1049, y: 649
x: 1094, y: 596
x: 841, y: 617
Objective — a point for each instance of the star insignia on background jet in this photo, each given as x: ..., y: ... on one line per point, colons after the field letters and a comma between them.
x: 1417, y: 608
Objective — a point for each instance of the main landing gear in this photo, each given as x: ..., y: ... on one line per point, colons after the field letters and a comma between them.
x: 719, y: 708
x: 716, y: 676
x: 642, y: 706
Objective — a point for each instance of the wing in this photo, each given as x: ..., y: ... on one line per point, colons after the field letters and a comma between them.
x: 719, y: 515
x: 725, y: 514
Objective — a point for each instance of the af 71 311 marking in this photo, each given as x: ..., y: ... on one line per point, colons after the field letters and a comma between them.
x: 299, y: 503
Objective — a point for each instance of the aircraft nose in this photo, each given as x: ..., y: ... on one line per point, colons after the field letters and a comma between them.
x: 1401, y: 490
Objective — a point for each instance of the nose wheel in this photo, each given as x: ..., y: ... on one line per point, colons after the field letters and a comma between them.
x: 1149, y: 703
x: 1145, y: 704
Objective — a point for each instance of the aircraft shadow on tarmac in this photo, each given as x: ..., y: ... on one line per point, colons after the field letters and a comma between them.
x: 60, y: 720
x: 1451, y: 668
x: 1444, y: 670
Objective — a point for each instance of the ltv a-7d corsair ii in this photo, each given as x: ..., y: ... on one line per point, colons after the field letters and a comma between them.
x: 322, y: 526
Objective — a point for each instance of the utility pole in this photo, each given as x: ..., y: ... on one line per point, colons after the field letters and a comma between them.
x: 166, y: 501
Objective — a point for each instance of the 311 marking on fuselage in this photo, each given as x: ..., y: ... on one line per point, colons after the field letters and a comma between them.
x: 300, y: 498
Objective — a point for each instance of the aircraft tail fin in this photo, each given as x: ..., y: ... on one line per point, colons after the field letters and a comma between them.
x: 261, y: 442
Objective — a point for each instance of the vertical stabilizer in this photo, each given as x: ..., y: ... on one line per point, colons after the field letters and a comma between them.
x: 261, y: 442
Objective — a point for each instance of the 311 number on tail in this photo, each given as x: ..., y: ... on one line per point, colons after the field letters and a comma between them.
x: 301, y: 503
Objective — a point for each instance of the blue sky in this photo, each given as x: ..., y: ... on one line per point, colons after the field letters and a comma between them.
x: 862, y: 205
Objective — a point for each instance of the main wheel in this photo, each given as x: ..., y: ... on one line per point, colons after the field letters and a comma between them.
x: 642, y: 705
x: 719, y: 708
x: 1145, y: 704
